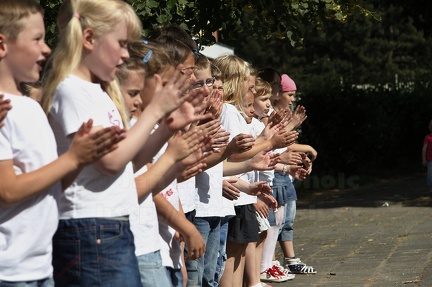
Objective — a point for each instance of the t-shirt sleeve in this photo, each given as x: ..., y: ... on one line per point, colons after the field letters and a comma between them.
x: 5, y: 146
x: 73, y: 106
x: 231, y: 121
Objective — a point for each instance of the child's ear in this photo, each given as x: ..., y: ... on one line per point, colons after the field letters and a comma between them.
x: 88, y: 39
x: 3, y: 46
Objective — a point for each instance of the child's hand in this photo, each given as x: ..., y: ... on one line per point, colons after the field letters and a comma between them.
x: 88, y: 148
x: 282, y: 116
x: 194, y: 243
x: 216, y: 104
x: 264, y: 161
x: 187, y: 113
x: 4, y: 108
x: 283, y: 138
x: 298, y: 172
x: 261, y: 208
x: 259, y: 188
x: 192, y: 171
x: 229, y: 191
x: 173, y: 94
x: 299, y: 116
x: 182, y: 145
x: 209, y: 128
x: 241, y: 143
x: 291, y: 157
x: 307, y: 163
x: 220, y: 139
x: 269, y: 200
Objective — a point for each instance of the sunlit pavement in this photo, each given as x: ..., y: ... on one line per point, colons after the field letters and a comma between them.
x: 376, y: 236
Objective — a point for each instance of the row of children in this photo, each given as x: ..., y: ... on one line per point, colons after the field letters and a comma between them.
x: 151, y: 166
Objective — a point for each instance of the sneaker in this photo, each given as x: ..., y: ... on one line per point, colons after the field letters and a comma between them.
x: 286, y: 271
x: 273, y: 274
x: 298, y: 267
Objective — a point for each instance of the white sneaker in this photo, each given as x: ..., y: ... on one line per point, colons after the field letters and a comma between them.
x: 273, y: 274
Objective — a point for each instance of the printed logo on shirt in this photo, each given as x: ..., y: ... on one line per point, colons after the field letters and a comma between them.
x: 113, y: 121
x: 168, y: 193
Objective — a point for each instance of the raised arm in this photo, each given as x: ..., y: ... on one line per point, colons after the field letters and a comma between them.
x: 85, y: 149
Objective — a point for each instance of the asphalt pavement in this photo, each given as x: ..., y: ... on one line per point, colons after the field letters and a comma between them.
x: 376, y: 236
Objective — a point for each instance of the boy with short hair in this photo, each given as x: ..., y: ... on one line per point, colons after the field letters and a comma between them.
x: 30, y: 169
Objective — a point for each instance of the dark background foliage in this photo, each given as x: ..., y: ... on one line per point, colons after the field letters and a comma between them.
x: 362, y: 68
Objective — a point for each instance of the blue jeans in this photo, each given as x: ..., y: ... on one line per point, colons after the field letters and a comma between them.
x: 286, y: 232
x: 95, y: 252
x: 48, y: 282
x: 176, y: 277
x: 153, y: 273
x: 201, y: 271
x: 222, y: 257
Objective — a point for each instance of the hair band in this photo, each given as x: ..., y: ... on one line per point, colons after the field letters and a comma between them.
x: 197, y: 53
x: 147, y: 56
x: 76, y: 15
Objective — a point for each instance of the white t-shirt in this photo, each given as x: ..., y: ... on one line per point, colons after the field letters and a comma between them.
x: 93, y: 193
x: 235, y: 124
x: 186, y: 190
x: 169, y: 245
x: 144, y: 223
x: 264, y: 175
x: 208, y: 198
x: 227, y: 205
x: 27, y: 227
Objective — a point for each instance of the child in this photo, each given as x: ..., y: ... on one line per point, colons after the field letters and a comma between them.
x: 94, y: 213
x: 167, y: 203
x: 269, y: 272
x: 283, y: 182
x: 30, y: 169
x: 131, y: 80
x: 427, y: 157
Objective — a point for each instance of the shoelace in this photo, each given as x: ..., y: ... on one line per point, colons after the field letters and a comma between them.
x: 272, y: 272
x: 278, y: 271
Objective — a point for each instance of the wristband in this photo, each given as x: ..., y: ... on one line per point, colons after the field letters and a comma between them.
x: 284, y: 169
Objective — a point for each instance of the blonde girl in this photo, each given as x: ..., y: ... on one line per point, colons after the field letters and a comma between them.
x: 93, y: 245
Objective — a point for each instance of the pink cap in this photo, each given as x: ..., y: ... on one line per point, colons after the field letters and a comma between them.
x: 288, y: 84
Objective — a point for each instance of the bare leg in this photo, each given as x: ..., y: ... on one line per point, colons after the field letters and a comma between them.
x: 235, y: 252
x: 287, y: 248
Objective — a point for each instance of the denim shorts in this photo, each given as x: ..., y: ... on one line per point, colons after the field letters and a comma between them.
x: 176, y: 276
x: 48, y: 282
x: 95, y: 252
x: 286, y: 232
x: 153, y: 273
x: 283, y: 189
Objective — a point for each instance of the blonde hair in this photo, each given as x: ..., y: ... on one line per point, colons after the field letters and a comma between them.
x: 262, y: 87
x: 74, y: 17
x: 12, y: 11
x: 234, y: 72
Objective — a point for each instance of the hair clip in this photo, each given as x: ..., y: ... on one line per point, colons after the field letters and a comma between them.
x: 147, y: 56
x: 197, y: 53
x: 145, y: 41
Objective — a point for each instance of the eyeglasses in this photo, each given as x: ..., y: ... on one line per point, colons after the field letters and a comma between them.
x: 208, y: 82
